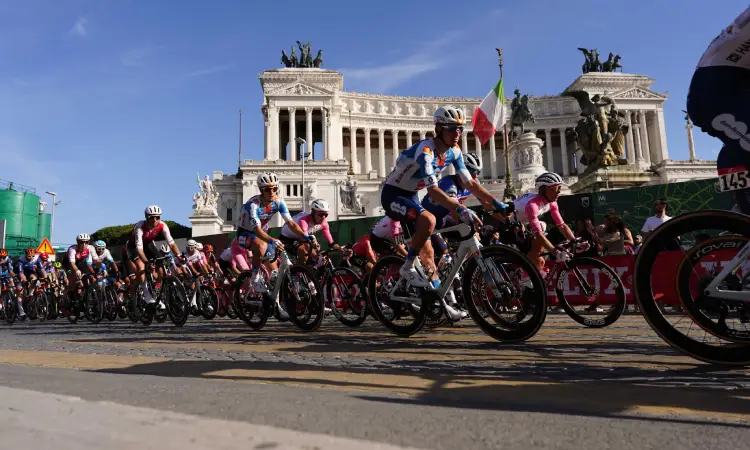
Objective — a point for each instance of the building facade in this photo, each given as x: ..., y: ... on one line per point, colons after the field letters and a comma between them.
x: 353, y: 140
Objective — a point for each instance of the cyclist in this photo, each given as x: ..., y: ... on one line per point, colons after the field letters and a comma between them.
x: 310, y: 223
x: 417, y: 168
x: 532, y: 205
x: 363, y: 254
x: 196, y: 264
x: 47, y: 268
x: 387, y: 237
x: 78, y: 258
x: 6, y: 271
x: 104, y: 260
x: 145, y: 233
x: 718, y: 103
x: 210, y: 258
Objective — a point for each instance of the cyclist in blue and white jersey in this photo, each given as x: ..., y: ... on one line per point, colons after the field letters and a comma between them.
x: 417, y: 168
x: 719, y: 103
x: 252, y: 227
x: 6, y: 271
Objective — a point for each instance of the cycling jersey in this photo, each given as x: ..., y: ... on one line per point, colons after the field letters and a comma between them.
x: 362, y: 246
x: 6, y: 266
x: 226, y: 255
x: 28, y: 266
x: 195, y: 257
x: 307, y: 223
x: 254, y: 214
x: 417, y: 167
x: 48, y: 267
x: 84, y: 256
x: 143, y: 234
x: 449, y: 185
x: 731, y: 47
x: 387, y: 229
x: 106, y: 256
x: 532, y: 205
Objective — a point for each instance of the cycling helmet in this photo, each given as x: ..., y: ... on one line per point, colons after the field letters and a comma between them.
x: 100, y: 245
x: 164, y: 248
x: 191, y: 243
x: 83, y: 237
x: 473, y: 162
x: 267, y: 179
x: 448, y: 115
x: 31, y: 251
x: 208, y: 248
x: 152, y: 210
x: 548, y: 179
x: 320, y: 205
x: 3, y: 253
x: 199, y: 247
x: 44, y: 257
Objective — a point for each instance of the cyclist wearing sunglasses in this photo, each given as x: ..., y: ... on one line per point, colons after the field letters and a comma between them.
x: 145, y: 233
x: 252, y: 228
x: 417, y: 168
x: 532, y: 205
x: 310, y: 223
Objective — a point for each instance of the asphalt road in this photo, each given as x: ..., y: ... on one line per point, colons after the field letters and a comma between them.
x: 218, y: 384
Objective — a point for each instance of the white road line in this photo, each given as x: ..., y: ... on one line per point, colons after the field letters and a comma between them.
x: 33, y: 420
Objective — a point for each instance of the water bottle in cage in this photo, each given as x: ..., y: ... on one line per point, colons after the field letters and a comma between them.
x: 272, y: 277
x: 445, y: 263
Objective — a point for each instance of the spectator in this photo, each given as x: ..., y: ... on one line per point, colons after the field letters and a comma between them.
x: 586, y: 231
x: 660, y: 216
x: 613, y: 237
x: 637, y: 241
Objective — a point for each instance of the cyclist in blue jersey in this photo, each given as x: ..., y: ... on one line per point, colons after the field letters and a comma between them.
x: 718, y: 102
x: 6, y: 271
x: 417, y: 168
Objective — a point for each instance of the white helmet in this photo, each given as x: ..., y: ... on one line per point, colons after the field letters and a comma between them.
x: 320, y: 205
x: 473, y: 162
x: 199, y: 246
x: 448, y: 115
x: 152, y: 210
x: 164, y: 248
x: 191, y: 243
x: 548, y: 179
x: 267, y: 179
x: 83, y: 237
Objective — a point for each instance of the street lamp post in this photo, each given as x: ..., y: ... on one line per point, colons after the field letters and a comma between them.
x: 52, y: 219
x: 304, y: 154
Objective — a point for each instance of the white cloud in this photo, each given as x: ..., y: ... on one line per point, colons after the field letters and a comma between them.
x: 135, y: 56
x: 209, y: 71
x: 79, y: 28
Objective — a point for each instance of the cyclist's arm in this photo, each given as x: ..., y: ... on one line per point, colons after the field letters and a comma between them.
x: 301, y: 228
x: 554, y: 211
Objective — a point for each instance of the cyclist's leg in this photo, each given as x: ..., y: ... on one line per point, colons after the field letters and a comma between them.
x: 535, y: 253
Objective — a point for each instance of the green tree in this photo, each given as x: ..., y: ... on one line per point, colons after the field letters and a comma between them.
x: 119, y: 234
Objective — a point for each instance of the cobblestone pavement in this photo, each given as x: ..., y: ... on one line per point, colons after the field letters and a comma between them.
x: 625, y: 367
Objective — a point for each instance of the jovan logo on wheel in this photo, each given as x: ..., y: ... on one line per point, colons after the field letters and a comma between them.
x: 733, y: 128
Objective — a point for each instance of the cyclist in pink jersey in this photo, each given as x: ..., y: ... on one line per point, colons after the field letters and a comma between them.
x: 310, y: 223
x: 528, y: 209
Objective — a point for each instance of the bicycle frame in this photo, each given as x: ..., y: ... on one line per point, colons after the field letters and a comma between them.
x: 713, y: 288
x: 470, y: 246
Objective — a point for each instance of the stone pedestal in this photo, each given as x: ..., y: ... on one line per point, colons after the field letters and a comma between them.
x: 526, y: 161
x: 206, y: 223
x: 614, y: 177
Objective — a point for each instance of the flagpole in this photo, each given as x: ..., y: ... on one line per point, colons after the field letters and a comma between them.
x: 510, y: 192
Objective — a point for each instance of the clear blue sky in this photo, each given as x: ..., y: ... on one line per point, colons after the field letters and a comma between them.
x: 117, y: 104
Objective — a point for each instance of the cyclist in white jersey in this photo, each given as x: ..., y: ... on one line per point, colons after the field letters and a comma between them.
x: 719, y: 103
x: 387, y: 236
x: 417, y: 168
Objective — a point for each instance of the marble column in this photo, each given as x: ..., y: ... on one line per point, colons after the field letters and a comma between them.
x: 394, y: 133
x: 324, y: 138
x: 662, y: 133
x: 638, y: 147
x: 409, y: 137
x: 368, y: 155
x: 653, y: 137
x: 548, y: 143
x: 478, y: 146
x: 493, y: 159
x: 267, y: 152
x: 646, y: 150
x: 292, y: 134
x: 422, y: 135
x: 274, y: 131
x: 465, y: 141
x: 381, y: 153
x: 309, y: 132
x: 629, y: 138
x: 564, y: 151
x: 353, y: 149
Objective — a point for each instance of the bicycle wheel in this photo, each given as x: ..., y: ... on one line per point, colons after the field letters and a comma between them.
x: 576, y: 272
x: 9, y: 307
x: 253, y: 308
x: 175, y: 300
x: 522, y: 307
x: 207, y: 296
x: 41, y: 306
x: 720, y: 351
x: 346, y: 295
x: 303, y: 297
x: 402, y: 318
x: 93, y: 301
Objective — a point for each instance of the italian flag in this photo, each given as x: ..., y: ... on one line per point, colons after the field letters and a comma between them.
x: 491, y: 114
